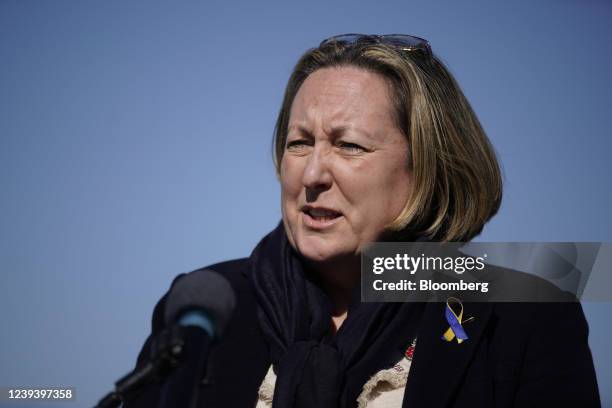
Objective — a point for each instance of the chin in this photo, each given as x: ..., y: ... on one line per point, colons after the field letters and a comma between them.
x: 319, y: 250
x: 316, y: 253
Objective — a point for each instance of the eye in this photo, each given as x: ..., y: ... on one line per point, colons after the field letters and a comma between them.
x: 297, y: 144
x: 351, y: 147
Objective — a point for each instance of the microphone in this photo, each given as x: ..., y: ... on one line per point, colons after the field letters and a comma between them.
x: 203, y: 298
x: 197, y: 311
x: 202, y: 305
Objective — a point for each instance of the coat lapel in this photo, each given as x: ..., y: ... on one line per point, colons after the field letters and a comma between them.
x: 438, y: 366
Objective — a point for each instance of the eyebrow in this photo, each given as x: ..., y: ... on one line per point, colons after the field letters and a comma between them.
x: 336, y: 131
x: 301, y: 128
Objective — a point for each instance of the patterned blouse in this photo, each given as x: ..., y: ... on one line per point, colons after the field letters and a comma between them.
x: 385, y: 389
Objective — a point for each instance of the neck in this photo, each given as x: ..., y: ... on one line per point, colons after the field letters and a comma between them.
x: 341, y: 299
x: 338, y: 279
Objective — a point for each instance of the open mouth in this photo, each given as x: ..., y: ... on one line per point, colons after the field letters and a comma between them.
x: 322, y: 215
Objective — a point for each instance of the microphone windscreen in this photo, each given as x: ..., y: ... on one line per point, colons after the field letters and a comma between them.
x: 203, y: 290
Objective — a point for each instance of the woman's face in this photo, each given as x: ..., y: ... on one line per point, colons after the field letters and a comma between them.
x: 344, y: 172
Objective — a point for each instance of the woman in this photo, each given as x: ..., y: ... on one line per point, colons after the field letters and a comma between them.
x: 376, y: 142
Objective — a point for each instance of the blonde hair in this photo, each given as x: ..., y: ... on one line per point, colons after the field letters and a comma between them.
x: 456, y: 184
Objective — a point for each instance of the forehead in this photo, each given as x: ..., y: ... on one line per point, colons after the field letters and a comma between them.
x: 342, y: 94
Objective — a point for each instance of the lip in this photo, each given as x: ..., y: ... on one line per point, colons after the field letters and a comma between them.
x: 315, y: 224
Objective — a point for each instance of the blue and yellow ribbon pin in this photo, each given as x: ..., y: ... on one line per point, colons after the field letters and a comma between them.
x: 455, y: 329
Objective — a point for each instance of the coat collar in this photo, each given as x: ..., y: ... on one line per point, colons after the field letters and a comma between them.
x: 438, y: 366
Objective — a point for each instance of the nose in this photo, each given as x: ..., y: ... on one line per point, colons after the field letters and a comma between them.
x: 317, y: 175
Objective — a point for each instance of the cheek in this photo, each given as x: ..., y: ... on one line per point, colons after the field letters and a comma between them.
x: 290, y: 180
x: 377, y: 189
x: 285, y: 175
x: 396, y: 193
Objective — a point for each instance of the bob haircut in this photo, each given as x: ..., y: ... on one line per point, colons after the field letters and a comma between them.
x: 456, y: 178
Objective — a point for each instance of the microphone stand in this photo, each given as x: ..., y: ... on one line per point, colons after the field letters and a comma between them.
x: 168, y: 351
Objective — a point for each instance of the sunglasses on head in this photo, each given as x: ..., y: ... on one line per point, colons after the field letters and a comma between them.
x: 403, y: 42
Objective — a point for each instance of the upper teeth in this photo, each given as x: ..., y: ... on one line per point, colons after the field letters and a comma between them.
x: 322, y: 213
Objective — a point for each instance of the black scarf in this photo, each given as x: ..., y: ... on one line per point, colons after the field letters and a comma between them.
x: 314, y: 368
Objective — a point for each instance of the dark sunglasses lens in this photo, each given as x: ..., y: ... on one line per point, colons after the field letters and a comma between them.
x: 343, y: 39
x: 405, y: 41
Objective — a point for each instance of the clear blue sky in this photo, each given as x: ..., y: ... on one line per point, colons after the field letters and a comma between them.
x: 135, y: 144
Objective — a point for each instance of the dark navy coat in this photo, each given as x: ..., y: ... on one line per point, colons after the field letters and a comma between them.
x: 518, y: 355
